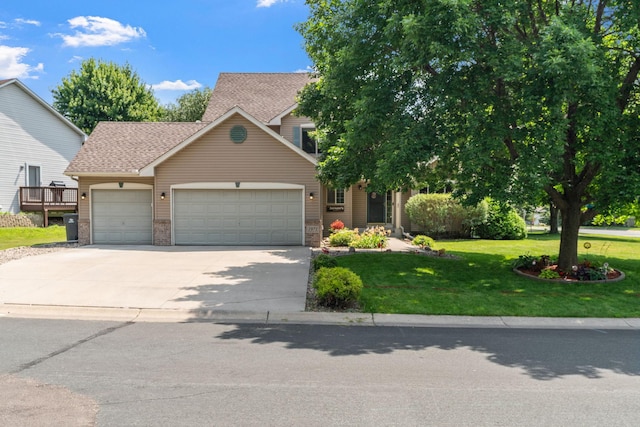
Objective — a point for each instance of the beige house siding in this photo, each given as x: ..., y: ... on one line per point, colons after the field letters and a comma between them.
x: 359, y: 201
x: 214, y: 158
x: 289, y: 122
x: 346, y: 216
x: 404, y: 218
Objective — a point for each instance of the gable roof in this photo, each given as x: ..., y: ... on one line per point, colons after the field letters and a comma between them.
x: 25, y: 89
x: 149, y: 169
x: 136, y: 148
x: 124, y: 148
x: 265, y: 96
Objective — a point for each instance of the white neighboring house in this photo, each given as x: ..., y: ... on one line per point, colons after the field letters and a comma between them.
x: 36, y: 145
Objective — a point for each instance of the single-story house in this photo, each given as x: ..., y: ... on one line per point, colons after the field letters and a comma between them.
x: 36, y: 145
x: 244, y: 175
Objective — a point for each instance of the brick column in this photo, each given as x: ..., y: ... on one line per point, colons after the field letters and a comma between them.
x: 162, y: 232
x: 84, y: 232
x: 313, y: 233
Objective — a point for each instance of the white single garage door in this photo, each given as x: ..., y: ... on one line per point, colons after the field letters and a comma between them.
x: 237, y: 217
x: 121, y: 217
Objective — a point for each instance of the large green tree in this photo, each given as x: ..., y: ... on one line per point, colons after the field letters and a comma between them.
x: 509, y: 97
x: 104, y: 91
x: 189, y: 107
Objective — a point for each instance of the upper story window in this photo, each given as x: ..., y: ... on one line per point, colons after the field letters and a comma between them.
x: 302, y: 138
x: 308, y: 143
x: 335, y: 196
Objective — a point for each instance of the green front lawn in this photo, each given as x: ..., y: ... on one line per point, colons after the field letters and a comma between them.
x: 481, y: 282
x: 28, y: 236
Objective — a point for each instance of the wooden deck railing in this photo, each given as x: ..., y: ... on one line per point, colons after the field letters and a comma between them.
x: 45, y: 199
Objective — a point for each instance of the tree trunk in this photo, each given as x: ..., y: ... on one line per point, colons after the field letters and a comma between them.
x: 571, y: 219
x: 553, y: 219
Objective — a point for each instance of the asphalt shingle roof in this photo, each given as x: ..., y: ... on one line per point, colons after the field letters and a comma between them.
x: 263, y: 95
x: 126, y: 147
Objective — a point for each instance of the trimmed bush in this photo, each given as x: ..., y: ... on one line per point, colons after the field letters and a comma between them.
x: 441, y: 216
x: 342, y: 237
x: 337, y: 287
x: 503, y: 223
x: 323, y: 260
x: 423, y: 241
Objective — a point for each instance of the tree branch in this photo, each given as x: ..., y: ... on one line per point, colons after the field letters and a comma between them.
x: 587, y: 175
x: 556, y: 197
x: 627, y: 84
x: 599, y: 13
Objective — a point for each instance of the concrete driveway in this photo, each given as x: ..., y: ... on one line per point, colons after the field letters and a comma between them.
x: 162, y: 277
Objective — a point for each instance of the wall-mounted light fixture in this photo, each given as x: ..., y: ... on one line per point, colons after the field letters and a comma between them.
x: 162, y: 195
x: 237, y: 184
x: 311, y: 196
x: 121, y: 184
x: 83, y: 196
x: 360, y: 187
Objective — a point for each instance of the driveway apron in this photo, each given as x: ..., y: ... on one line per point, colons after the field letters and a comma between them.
x: 164, y: 277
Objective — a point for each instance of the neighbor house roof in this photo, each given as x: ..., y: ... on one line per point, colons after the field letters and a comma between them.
x: 126, y: 147
x: 263, y: 95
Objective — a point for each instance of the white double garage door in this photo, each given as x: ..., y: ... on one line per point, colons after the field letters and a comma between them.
x: 202, y: 217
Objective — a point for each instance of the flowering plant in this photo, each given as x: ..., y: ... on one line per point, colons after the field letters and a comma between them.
x: 337, y: 225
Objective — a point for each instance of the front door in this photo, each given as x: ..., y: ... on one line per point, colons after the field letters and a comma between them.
x: 376, y: 208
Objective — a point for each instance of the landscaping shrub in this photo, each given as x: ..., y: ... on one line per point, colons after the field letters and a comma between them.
x: 441, y: 216
x: 605, y: 220
x: 371, y: 238
x: 337, y: 287
x: 549, y: 273
x: 342, y: 237
x: 323, y: 260
x: 423, y: 241
x: 502, y: 223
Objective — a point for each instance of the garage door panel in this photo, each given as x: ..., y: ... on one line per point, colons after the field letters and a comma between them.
x: 238, y: 217
x: 121, y: 216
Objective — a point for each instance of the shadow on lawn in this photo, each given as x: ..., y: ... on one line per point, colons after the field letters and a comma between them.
x: 541, y: 354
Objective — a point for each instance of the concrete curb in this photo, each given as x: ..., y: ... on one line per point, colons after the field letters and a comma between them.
x: 128, y: 314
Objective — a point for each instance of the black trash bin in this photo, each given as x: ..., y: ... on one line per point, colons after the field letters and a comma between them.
x: 71, y: 224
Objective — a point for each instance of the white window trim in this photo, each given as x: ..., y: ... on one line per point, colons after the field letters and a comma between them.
x: 335, y: 196
x: 26, y: 174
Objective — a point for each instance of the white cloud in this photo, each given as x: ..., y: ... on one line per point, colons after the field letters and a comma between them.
x: 98, y: 31
x: 269, y: 3
x: 11, y: 65
x: 75, y: 58
x: 27, y: 21
x: 309, y: 69
x: 177, y: 85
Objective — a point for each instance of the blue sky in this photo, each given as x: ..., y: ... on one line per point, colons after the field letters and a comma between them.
x: 174, y: 46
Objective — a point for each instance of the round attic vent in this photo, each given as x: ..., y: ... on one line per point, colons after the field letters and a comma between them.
x: 238, y: 134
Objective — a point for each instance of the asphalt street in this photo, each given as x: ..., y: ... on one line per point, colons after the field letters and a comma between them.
x: 69, y: 372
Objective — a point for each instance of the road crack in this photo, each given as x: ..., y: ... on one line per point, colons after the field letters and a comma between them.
x: 36, y: 362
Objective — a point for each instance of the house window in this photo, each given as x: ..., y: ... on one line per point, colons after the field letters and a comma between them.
x: 335, y: 196
x: 309, y: 144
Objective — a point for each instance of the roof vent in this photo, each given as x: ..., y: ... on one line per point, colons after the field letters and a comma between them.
x: 238, y: 134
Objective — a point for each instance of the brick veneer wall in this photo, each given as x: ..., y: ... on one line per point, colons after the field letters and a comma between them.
x: 162, y: 232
